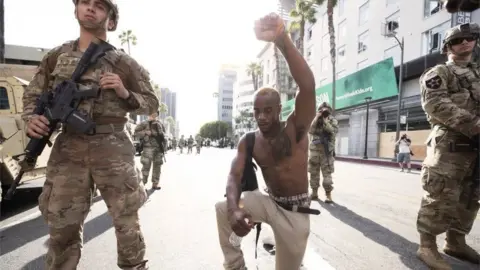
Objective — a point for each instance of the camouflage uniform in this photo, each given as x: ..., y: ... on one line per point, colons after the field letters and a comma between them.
x: 199, y: 141
x: 152, y: 151
x: 321, y: 159
x: 450, y: 95
x: 174, y: 144
x: 190, y: 144
x: 181, y: 144
x: 79, y: 162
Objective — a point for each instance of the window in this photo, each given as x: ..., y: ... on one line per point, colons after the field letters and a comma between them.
x: 363, y: 64
x: 432, y: 39
x: 391, y: 2
x: 310, y: 34
x: 363, y: 42
x: 393, y: 52
x: 268, y: 79
x: 325, y: 21
x: 341, y: 54
x: 326, y: 44
x: 4, y: 104
x: 341, y: 7
x: 325, y: 64
x: 342, y: 32
x: 309, y: 53
x: 431, y: 7
x: 391, y: 25
x: 363, y: 14
x: 341, y: 74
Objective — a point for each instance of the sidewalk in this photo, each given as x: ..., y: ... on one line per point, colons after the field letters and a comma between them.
x: 415, y: 164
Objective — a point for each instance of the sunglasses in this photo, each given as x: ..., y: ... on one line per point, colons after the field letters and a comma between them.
x: 457, y: 41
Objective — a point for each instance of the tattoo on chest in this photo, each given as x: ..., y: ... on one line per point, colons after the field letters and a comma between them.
x: 281, y: 146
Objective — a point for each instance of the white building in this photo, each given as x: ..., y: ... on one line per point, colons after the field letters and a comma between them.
x: 360, y: 26
x: 226, y: 79
x: 243, y: 99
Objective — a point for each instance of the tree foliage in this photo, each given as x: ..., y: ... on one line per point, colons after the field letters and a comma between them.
x: 214, y: 130
x: 245, y: 119
x: 254, y: 70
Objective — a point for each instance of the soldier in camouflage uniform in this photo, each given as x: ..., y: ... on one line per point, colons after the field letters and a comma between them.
x: 152, y: 132
x: 199, y: 141
x: 174, y: 144
x: 104, y: 159
x: 181, y: 143
x: 321, y: 156
x: 450, y: 95
x: 190, y: 142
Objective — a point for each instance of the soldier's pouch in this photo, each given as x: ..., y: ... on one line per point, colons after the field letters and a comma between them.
x: 433, y: 181
x: 135, y: 194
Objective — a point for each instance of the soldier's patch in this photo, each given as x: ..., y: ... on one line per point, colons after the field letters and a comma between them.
x: 434, y: 83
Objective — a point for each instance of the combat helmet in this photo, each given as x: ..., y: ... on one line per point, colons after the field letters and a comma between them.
x: 324, y: 105
x: 114, y: 9
x: 460, y: 31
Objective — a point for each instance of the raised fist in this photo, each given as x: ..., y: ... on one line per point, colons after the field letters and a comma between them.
x: 269, y: 28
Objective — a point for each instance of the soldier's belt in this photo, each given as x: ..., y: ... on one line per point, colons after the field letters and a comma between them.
x: 99, y: 129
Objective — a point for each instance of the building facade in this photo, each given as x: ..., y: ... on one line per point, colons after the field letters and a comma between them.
x: 227, y: 77
x: 243, y: 103
x: 362, y: 46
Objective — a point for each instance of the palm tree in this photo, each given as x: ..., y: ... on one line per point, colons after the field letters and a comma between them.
x: 331, y: 32
x: 254, y: 70
x: 129, y: 38
x: 304, y: 12
x: 2, y: 32
x: 170, y: 120
x: 163, y: 108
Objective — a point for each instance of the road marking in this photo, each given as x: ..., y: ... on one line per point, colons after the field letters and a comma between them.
x: 18, y: 221
x: 313, y: 261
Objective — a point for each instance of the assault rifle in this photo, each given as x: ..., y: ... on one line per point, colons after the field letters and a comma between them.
x: 60, y: 106
x: 476, y: 173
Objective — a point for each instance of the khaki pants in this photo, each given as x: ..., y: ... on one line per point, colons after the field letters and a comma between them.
x: 291, y: 230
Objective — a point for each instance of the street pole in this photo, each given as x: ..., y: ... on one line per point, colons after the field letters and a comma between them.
x: 400, y: 84
x: 367, y: 100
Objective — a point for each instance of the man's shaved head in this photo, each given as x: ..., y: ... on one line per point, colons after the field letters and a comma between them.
x: 267, y: 108
x: 268, y: 92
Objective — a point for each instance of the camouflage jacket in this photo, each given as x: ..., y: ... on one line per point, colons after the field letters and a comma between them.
x: 181, y: 142
x: 450, y: 94
x: 190, y: 141
x: 108, y: 108
x: 156, y: 129
x: 321, y: 130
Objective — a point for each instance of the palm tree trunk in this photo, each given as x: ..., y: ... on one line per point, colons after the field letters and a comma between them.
x: 254, y: 82
x: 301, y: 38
x: 128, y: 45
x: 277, y: 71
x: 2, y: 32
x: 331, y: 32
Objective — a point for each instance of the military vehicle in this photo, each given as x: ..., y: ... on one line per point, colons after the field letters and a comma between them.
x: 13, y: 80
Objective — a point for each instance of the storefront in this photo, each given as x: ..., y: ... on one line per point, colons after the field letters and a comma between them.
x: 379, y: 82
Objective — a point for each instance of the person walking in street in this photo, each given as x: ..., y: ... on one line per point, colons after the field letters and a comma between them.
x: 450, y: 95
x: 152, y: 132
x: 279, y: 147
x: 321, y: 156
x: 104, y: 158
x: 190, y: 142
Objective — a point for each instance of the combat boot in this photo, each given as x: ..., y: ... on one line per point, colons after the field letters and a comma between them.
x: 456, y: 246
x: 314, y: 195
x: 428, y: 253
x: 328, y: 196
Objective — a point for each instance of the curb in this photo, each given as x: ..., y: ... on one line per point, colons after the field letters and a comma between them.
x: 387, y: 163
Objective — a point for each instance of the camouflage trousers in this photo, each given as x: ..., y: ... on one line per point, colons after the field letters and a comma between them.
x: 318, y: 162
x: 77, y: 165
x: 198, y: 148
x: 151, y: 155
x: 447, y: 178
x: 189, y: 149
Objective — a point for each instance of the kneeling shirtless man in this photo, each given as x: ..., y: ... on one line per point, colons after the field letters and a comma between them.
x: 281, y: 151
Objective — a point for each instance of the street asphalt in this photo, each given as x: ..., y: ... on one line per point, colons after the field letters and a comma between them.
x: 371, y: 225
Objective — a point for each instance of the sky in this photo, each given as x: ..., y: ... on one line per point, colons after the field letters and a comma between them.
x: 182, y: 43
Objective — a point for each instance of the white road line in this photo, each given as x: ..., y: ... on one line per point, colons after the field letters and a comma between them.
x: 18, y: 221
